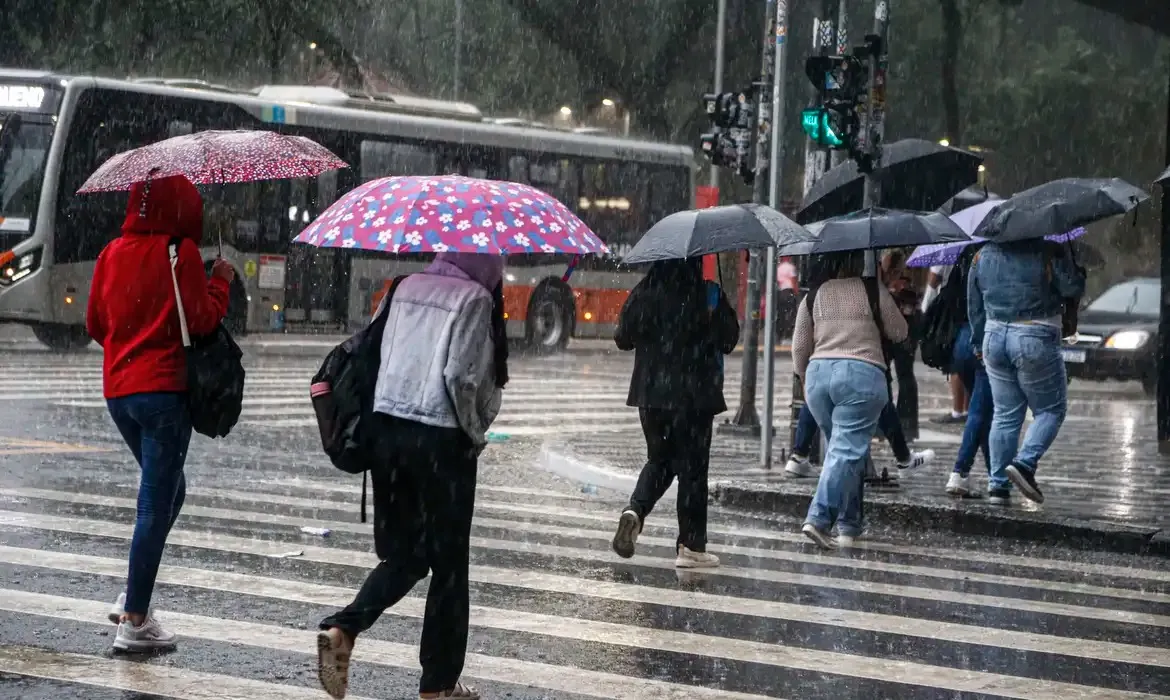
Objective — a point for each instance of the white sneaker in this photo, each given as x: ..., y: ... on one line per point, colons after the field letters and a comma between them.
x: 147, y: 638
x: 798, y: 466
x: 118, y: 609
x: 917, y: 459
x: 846, y: 541
x: 959, y: 484
x: 821, y: 538
x: 628, y: 529
x: 688, y: 559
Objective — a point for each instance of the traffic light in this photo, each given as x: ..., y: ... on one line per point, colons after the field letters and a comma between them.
x: 729, y: 142
x: 842, y: 83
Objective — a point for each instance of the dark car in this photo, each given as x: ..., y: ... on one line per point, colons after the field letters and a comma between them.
x: 1117, y: 335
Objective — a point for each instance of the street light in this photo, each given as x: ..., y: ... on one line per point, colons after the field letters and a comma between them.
x: 566, y: 111
x: 608, y: 102
x: 312, y: 46
x: 945, y: 143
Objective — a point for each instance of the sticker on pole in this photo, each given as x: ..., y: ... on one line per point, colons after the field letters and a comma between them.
x: 882, y: 12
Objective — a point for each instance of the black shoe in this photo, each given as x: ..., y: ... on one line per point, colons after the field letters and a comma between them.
x: 629, y: 526
x: 999, y: 497
x: 1025, y: 480
x: 949, y: 419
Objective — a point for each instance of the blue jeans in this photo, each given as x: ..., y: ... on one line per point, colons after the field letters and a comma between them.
x: 888, y: 423
x: 980, y: 410
x: 157, y: 428
x: 1026, y: 370
x: 846, y: 397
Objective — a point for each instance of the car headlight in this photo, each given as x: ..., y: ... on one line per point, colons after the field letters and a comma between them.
x: 1127, y: 340
x: 14, y: 268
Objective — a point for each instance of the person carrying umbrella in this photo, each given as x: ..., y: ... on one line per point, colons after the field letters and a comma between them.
x: 679, y: 335
x: 837, y: 352
x: 133, y: 315
x: 1018, y: 292
x: 444, y: 363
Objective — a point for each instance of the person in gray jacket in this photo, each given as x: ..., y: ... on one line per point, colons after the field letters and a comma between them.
x: 443, y: 364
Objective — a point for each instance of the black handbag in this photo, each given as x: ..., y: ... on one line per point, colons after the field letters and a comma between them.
x: 215, y: 371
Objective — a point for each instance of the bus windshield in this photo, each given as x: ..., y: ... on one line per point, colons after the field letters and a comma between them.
x: 24, y: 148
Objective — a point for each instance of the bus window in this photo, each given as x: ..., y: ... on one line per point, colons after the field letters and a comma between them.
x: 613, y: 203
x: 518, y: 169
x: 385, y: 158
x: 669, y: 193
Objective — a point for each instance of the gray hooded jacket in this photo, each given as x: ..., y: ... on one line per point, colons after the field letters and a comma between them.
x: 437, y: 363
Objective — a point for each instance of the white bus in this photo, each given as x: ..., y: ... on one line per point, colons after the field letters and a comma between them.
x: 57, y: 129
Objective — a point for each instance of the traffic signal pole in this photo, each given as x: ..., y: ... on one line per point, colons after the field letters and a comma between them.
x: 747, y: 419
x: 872, y: 131
x: 775, y: 181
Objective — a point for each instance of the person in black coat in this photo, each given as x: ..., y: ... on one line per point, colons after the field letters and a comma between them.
x: 680, y: 327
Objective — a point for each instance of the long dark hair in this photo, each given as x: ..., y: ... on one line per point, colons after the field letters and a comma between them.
x: 499, y: 336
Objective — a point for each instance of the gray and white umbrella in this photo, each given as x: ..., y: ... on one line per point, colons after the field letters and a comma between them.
x: 874, y: 229
x: 697, y: 232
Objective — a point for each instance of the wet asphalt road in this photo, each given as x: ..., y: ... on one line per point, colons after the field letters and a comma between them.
x: 555, y: 613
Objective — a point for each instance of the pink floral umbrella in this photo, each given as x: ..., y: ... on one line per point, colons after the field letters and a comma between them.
x: 209, y: 157
x: 451, y: 213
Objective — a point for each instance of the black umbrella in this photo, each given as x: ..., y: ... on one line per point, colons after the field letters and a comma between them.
x: 915, y: 175
x: 688, y: 234
x: 874, y: 229
x: 1058, y: 207
x: 966, y: 199
x: 1163, y: 178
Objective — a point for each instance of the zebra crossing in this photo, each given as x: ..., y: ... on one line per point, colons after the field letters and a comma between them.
x: 545, y: 396
x: 554, y: 613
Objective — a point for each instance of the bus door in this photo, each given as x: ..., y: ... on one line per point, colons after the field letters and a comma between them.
x: 317, y: 283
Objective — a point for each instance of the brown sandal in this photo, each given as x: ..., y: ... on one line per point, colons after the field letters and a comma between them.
x: 459, y: 692
x: 333, y: 662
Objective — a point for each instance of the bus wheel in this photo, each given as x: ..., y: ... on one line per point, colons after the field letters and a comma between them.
x: 550, y: 319
x: 61, y: 338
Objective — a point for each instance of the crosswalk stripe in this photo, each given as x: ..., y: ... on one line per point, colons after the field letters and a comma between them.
x: 563, y: 679
x: 959, y: 556
x: 243, y: 498
x: 772, y: 576
x: 160, y: 681
x: 536, y: 580
x: 852, y: 665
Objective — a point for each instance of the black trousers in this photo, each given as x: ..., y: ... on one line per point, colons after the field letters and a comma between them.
x: 902, y: 356
x: 424, y: 495
x: 678, y: 444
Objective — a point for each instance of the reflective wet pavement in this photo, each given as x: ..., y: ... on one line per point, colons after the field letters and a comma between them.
x: 555, y: 613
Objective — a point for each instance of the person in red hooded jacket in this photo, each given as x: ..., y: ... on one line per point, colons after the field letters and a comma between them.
x: 133, y: 314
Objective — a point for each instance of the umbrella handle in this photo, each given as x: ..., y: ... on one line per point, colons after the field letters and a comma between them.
x: 572, y: 266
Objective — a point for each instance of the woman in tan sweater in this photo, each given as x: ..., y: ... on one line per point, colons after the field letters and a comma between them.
x: 837, y: 350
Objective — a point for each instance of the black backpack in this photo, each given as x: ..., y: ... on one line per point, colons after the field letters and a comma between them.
x: 215, y: 371
x: 940, y: 327
x: 342, y: 393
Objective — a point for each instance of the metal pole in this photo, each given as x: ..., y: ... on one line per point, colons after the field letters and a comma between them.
x: 775, y: 181
x: 842, y: 45
x: 458, y: 49
x: 1163, y: 398
x: 816, y: 161
x: 873, y: 127
x: 747, y: 419
x: 720, y: 51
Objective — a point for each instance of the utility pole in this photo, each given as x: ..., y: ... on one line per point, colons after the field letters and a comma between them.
x: 458, y: 88
x: 826, y: 37
x: 775, y: 182
x: 842, y: 38
x: 872, y: 130
x: 747, y: 419
x: 720, y: 51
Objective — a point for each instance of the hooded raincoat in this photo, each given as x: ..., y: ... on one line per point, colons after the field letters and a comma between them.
x: 132, y: 312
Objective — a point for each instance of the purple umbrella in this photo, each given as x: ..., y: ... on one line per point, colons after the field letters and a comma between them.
x: 948, y: 253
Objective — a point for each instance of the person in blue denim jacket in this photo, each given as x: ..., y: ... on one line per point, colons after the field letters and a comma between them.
x: 1015, y: 299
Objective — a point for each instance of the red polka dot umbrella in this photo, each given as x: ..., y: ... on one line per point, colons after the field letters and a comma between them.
x: 209, y: 157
